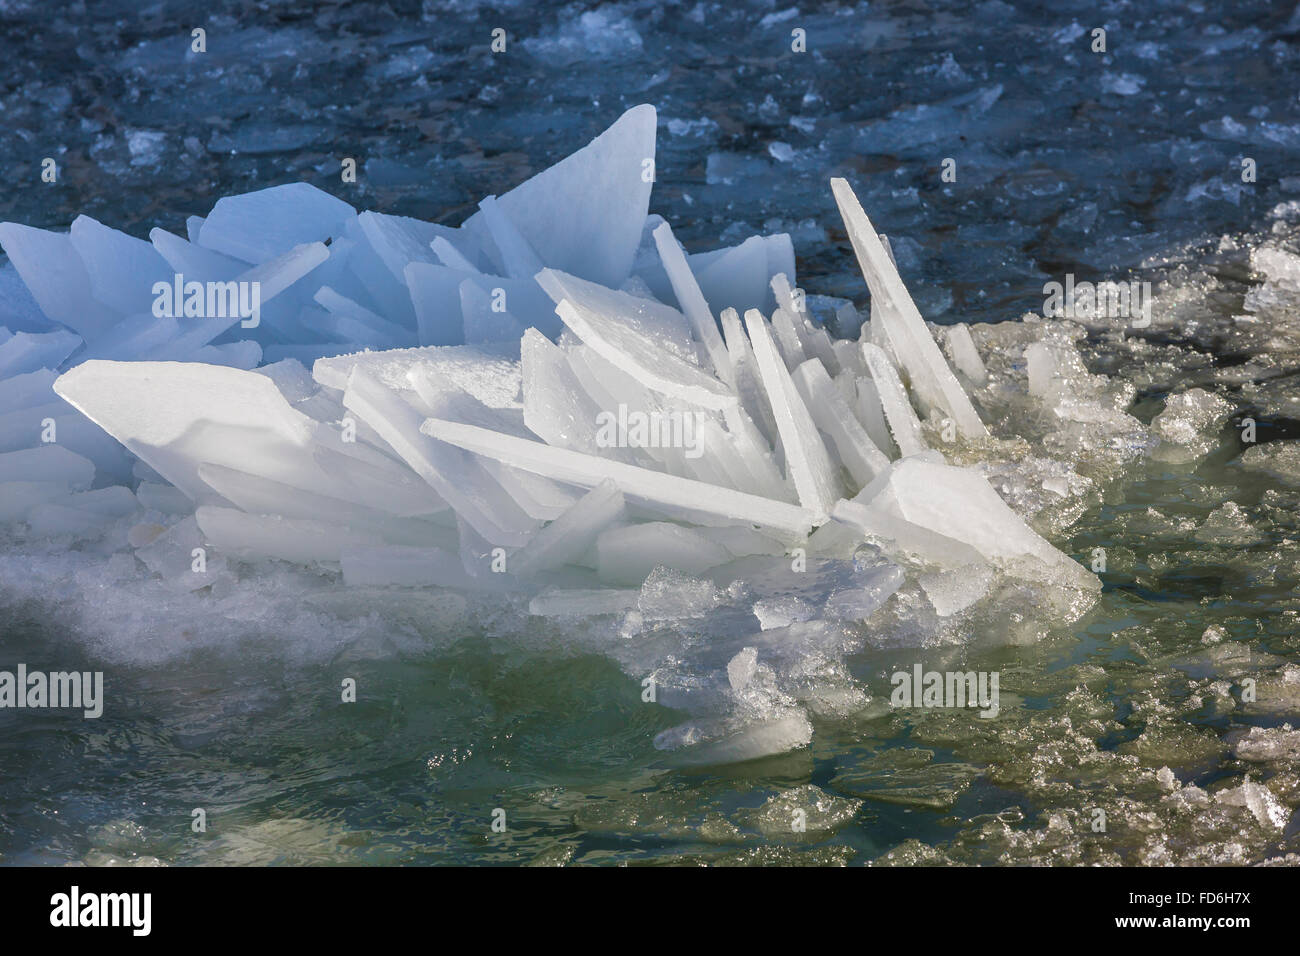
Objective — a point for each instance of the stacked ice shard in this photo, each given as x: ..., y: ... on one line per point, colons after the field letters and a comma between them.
x: 552, y: 400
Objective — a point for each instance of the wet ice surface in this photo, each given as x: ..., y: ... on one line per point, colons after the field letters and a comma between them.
x: 1137, y: 710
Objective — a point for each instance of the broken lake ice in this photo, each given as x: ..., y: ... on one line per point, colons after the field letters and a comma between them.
x: 420, y: 406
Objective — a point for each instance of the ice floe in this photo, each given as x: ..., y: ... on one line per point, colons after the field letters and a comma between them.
x: 420, y: 406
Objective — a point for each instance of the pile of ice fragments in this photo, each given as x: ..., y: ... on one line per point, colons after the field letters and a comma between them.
x: 552, y: 401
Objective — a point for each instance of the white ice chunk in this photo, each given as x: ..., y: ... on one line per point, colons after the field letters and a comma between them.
x: 26, y: 389
x: 164, y: 498
x: 748, y: 386
x: 122, y: 269
x: 273, y: 277
x: 31, y: 351
x: 57, y: 278
x: 52, y: 463
x: 556, y: 408
x: 857, y: 452
x: 172, y: 555
x: 115, y: 501
x: 724, y: 741
x: 518, y: 257
x: 661, y: 490
x: 868, y: 593
x: 584, y: 214
x: 960, y: 503
x: 920, y: 356
x: 18, y: 310
x: 568, y: 538
x: 18, y: 497
x: 537, y: 496
x: 456, y: 476
x: 807, y: 460
x: 482, y: 322
x: 435, y: 293
x: 626, y: 555
x: 364, y: 321
x: 491, y: 378
x: 60, y: 517
x: 788, y: 342
x: 965, y: 356
x: 903, y: 423
x: 175, y: 415
x: 397, y: 565
x: 644, y: 339
x: 952, y: 591
x: 932, y: 546
x: 194, y: 261
x: 692, y: 301
x: 267, y: 223
x: 300, y: 540
x: 257, y: 495
x: 399, y: 240
x: 450, y: 256
x: 737, y: 278
x: 782, y: 611
x: 870, y: 412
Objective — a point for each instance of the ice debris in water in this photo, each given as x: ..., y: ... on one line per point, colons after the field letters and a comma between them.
x: 556, y: 402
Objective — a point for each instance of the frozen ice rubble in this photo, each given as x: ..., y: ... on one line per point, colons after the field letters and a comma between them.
x: 552, y: 404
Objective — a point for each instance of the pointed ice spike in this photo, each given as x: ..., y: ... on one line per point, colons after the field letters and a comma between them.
x: 806, y: 457
x: 916, y: 349
x: 857, y: 451
x: 866, y: 405
x: 584, y: 214
x: 788, y: 342
x: 518, y: 257
x: 679, y: 495
x: 903, y: 423
x: 688, y: 294
x: 748, y: 388
x: 965, y: 356
x: 814, y: 340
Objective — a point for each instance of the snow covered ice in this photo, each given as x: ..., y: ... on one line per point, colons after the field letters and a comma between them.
x: 417, y: 407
